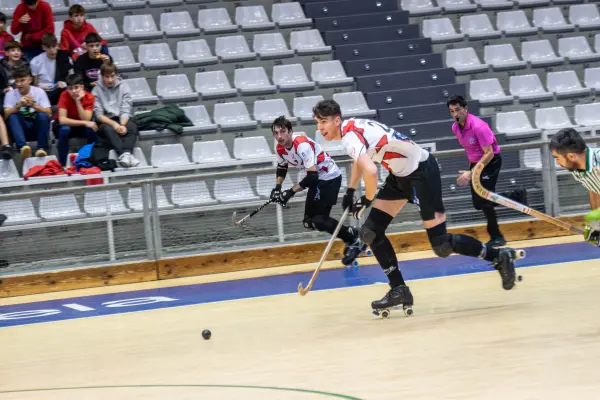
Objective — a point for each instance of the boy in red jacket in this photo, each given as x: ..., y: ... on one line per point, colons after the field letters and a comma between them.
x: 74, y: 32
x: 32, y: 18
x: 5, y: 37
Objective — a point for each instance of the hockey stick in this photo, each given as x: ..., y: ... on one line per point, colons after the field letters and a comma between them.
x: 247, y: 217
x: 498, y: 199
x: 303, y: 291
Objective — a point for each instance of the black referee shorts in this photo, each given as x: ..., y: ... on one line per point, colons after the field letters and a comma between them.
x: 489, y: 177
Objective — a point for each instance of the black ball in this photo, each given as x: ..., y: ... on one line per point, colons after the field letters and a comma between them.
x: 206, y: 334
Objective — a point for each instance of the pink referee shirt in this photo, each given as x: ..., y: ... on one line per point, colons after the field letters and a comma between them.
x: 474, y: 136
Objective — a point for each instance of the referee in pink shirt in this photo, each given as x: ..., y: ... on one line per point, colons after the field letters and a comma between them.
x: 478, y: 139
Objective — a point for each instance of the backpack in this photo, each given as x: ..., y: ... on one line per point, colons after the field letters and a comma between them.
x: 95, y: 155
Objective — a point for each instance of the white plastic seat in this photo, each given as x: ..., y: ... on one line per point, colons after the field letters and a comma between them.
x: 457, y: 5
x: 18, y: 212
x: 126, y: 4
x: 308, y: 42
x: 291, y: 77
x: 213, y: 84
x: 587, y: 114
x: 8, y: 6
x: 141, y: 27
x: 584, y: 16
x: 107, y: 28
x: 515, y: 123
x: 478, y: 26
x: 289, y: 14
x: 576, y: 49
x: 266, y: 182
x: 134, y: 199
x: 165, y: 3
x: 233, y: 48
x: 502, y: 57
x: 441, y: 30
x: 60, y: 207
x: 540, y: 53
x: 550, y: 20
x: 528, y: 88
x: 215, y: 20
x: 303, y: 107
x: 58, y: 7
x: 124, y: 59
x: 178, y: 23
x: 329, y: 73
x: 332, y: 147
x: 90, y: 5
x: 33, y: 161
x: 230, y: 190
x: 488, y: 92
x: 420, y: 7
x: 168, y: 155
x: 195, y: 52
x: 252, y: 148
x: 156, y: 56
x: 58, y: 27
x: 597, y: 43
x: 8, y: 171
x: 514, y: 23
x: 565, y: 84
x: 592, y: 78
x: 175, y: 88
x: 552, y: 118
x: 140, y: 91
x: 190, y: 194
x: 271, y: 45
x: 465, y: 61
x: 265, y: 111
x: 211, y: 152
x: 99, y: 203
x: 252, y: 81
x: 252, y: 18
x: 137, y: 153
x: 494, y: 4
x: 200, y: 118
x: 233, y: 116
x: 353, y: 104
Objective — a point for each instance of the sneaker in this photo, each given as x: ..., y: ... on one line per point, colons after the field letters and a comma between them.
x: 25, y: 152
x: 7, y: 152
x: 41, y: 153
x: 124, y: 160
x: 133, y: 162
x: 496, y: 242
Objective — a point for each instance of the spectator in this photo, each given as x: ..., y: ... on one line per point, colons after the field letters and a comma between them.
x: 113, y: 112
x: 51, y: 68
x: 75, y: 112
x: 14, y: 59
x: 27, y: 110
x: 5, y: 37
x: 88, y: 64
x: 32, y: 18
x: 75, y: 30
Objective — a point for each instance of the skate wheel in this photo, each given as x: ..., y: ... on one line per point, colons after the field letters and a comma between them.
x: 519, y: 278
x: 385, y: 313
x: 355, y: 264
x: 408, y: 311
x: 375, y: 313
x: 520, y: 254
x: 368, y: 253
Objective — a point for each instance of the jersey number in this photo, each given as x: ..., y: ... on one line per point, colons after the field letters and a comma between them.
x: 395, y: 134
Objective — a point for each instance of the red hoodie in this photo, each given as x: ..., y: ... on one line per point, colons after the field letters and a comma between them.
x: 41, y: 22
x: 4, y: 38
x: 71, y: 38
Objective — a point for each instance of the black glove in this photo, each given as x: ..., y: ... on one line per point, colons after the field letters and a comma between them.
x: 348, y: 200
x: 360, y: 206
x: 286, y: 196
x: 276, y: 194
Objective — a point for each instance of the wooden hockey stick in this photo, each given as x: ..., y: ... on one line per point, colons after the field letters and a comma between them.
x: 498, y: 199
x: 303, y: 291
x: 252, y: 214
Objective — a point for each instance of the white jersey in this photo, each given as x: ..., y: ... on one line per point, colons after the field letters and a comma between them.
x: 393, y: 150
x: 306, y: 153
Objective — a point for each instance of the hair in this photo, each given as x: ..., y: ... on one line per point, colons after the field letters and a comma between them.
x: 456, y: 99
x: 108, y: 69
x: 92, y: 38
x: 2, y: 17
x: 12, y: 44
x: 21, y: 72
x: 327, y: 108
x: 281, y: 122
x: 30, y: 2
x: 567, y: 141
x: 74, y: 79
x: 76, y: 9
x: 49, y: 40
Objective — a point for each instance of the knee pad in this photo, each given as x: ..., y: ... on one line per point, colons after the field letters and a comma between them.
x: 319, y: 223
x: 375, y: 226
x: 368, y: 233
x: 442, y: 242
x: 308, y: 224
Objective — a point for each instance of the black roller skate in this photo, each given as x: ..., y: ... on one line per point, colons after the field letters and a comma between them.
x: 505, y: 264
x: 352, y: 251
x: 398, y: 296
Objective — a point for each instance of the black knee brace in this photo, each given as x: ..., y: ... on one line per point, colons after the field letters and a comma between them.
x: 308, y: 224
x: 324, y: 223
x: 375, y: 226
x: 441, y: 241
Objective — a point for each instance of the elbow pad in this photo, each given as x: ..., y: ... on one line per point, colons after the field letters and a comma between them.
x: 310, y: 180
x: 281, y: 171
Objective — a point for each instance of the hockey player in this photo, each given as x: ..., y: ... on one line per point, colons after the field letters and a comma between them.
x: 323, y: 180
x: 412, y: 170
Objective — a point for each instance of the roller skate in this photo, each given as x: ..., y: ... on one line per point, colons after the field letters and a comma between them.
x: 397, y: 296
x: 505, y: 264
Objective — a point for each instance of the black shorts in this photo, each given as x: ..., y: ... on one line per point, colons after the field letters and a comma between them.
x: 321, y: 198
x: 489, y: 177
x: 423, y: 187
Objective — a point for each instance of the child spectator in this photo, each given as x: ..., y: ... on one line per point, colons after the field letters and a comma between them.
x: 14, y: 59
x: 75, y: 30
x: 27, y: 111
x: 88, y: 64
x: 32, y: 18
x: 5, y: 37
x: 75, y: 111
x: 113, y: 112
x: 51, y: 68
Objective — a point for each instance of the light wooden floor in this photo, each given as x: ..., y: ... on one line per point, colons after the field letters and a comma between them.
x: 468, y: 339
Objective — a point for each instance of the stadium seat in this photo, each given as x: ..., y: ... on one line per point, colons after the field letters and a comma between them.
x: 58, y: 27
x: 576, y: 49
x: 123, y: 58
x: 252, y: 148
x: 289, y: 14
x: 7, y: 7
x: 552, y: 118
x: 420, y: 7
x: 592, y: 78
x: 266, y: 182
x: 271, y: 45
x: 233, y: 48
x: 58, y: 7
x: 60, y: 207
x: 99, y: 203
x: 265, y: 111
x: 515, y: 124
x: 253, y: 81
x: 303, y: 107
x: 514, y: 23
x: 195, y: 52
x: 213, y: 84
x: 126, y: 4
x: 540, y: 53
x: 584, y: 16
x: 233, y: 116
x: 478, y: 26
x: 165, y: 3
x: 229, y: 190
x: 465, y: 61
x: 200, y: 118
x: 210, y: 152
x: 450, y: 6
x: 178, y: 23
x: 488, y: 92
x: 190, y: 194
x: 291, y: 77
x: 141, y: 27
x: 502, y: 57
x: 441, y: 30
x: 329, y: 73
x: 168, y: 155
x: 18, y: 212
x: 134, y: 199
x: 215, y: 20
x: 140, y: 91
x: 308, y: 42
x: 91, y: 5
x: 8, y: 171
x: 156, y: 56
x: 252, y: 18
x: 33, y: 161
x: 175, y: 88
x: 494, y: 5
x: 528, y: 88
x: 353, y: 104
x: 107, y: 28
x: 587, y: 114
x: 565, y: 84
x: 550, y: 20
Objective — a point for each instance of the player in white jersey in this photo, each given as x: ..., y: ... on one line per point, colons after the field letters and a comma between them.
x: 323, y: 180
x: 414, y: 177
